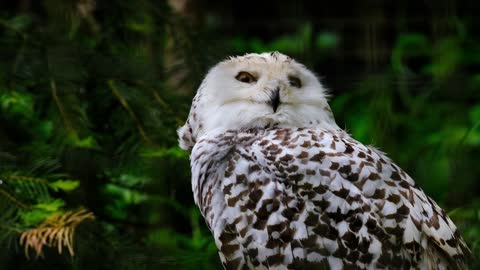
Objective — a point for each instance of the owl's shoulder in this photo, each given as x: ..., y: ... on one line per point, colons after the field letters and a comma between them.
x: 337, y: 176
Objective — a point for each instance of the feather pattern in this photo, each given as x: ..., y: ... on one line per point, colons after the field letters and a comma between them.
x: 296, y: 198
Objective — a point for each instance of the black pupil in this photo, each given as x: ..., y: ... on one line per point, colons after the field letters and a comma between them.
x: 245, y: 78
x: 295, y: 82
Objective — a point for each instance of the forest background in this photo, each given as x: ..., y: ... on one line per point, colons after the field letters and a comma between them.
x: 92, y: 92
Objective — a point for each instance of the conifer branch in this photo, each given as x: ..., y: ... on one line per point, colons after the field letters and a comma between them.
x: 125, y: 105
x: 56, y: 231
x: 11, y: 198
x: 25, y: 179
x: 67, y: 123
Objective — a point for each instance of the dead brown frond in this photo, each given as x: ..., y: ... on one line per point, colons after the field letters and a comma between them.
x: 56, y: 231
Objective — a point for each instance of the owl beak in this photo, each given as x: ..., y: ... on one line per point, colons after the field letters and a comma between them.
x: 275, y: 99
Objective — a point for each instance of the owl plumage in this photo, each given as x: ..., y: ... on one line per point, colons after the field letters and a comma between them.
x: 281, y: 186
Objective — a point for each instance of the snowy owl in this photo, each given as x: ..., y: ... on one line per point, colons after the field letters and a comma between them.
x: 281, y: 186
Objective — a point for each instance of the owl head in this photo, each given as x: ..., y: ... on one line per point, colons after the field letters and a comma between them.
x: 257, y: 91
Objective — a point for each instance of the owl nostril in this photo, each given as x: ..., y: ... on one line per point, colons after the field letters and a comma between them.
x: 275, y: 99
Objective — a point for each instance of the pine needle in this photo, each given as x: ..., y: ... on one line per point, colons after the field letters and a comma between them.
x: 60, y: 106
x: 11, y: 198
x: 126, y: 106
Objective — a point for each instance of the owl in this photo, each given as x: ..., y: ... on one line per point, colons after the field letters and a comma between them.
x: 281, y: 186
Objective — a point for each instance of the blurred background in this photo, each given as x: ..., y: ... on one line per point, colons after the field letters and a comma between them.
x: 91, y: 93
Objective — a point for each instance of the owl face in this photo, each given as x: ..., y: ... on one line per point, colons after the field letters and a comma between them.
x: 257, y: 91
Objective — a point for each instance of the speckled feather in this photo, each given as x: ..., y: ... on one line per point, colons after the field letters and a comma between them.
x: 295, y: 198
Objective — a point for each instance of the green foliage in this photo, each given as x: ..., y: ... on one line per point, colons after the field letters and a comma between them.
x: 65, y: 185
x: 41, y: 211
x: 86, y: 119
x: 407, y: 46
x: 312, y: 47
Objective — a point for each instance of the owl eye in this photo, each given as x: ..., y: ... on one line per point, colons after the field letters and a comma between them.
x: 295, y: 81
x: 245, y: 77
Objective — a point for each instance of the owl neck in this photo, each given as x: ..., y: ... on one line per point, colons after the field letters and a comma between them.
x: 312, y: 119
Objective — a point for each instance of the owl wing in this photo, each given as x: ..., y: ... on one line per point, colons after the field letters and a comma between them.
x: 303, y: 198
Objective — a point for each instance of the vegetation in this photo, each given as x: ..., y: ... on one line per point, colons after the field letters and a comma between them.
x: 91, y: 94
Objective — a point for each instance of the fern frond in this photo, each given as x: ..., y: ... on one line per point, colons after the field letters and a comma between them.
x: 56, y: 231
